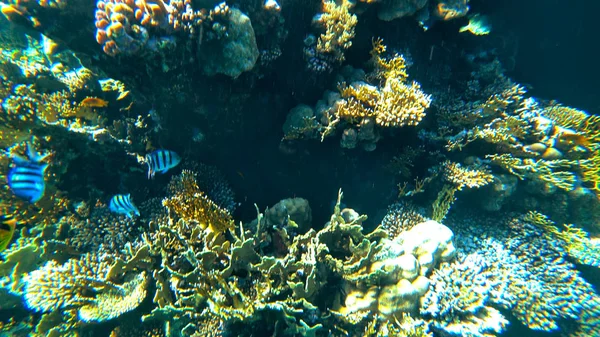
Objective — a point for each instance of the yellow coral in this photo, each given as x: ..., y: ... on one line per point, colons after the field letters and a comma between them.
x: 466, y: 177
x: 400, y: 104
x: 577, y: 241
x: 192, y: 205
x: 394, y: 104
x: 385, y: 68
x: 587, y: 128
x: 339, y: 26
x: 555, y: 172
x: 443, y: 202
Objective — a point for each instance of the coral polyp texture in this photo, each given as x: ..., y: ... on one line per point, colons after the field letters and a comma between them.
x: 472, y: 208
x: 123, y: 25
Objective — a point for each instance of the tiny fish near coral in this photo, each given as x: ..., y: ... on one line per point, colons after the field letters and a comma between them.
x: 161, y: 161
x: 7, y: 230
x: 26, y: 176
x: 122, y: 204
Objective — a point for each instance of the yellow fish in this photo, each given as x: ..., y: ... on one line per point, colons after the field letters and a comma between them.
x: 7, y: 230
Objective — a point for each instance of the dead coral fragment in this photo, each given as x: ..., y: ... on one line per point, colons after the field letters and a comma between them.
x: 192, y: 205
x: 339, y: 26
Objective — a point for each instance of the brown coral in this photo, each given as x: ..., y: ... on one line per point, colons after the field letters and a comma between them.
x: 189, y: 203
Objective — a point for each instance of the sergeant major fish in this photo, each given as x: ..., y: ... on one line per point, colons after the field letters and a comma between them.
x: 122, y: 204
x: 161, y: 161
x: 26, y: 176
x: 7, y: 230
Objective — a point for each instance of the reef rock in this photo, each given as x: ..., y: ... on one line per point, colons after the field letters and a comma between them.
x: 236, y: 52
x: 430, y: 242
x: 394, y: 9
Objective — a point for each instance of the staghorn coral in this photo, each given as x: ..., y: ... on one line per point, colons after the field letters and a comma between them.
x: 453, y: 177
x: 578, y: 131
x: 462, y: 177
x: 577, y: 242
x: 552, y: 149
x: 189, y: 203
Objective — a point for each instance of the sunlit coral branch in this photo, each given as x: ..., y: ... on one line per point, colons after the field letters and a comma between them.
x: 339, y: 26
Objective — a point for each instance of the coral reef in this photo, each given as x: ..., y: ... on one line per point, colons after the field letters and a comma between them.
x: 98, y: 85
x: 127, y: 27
x: 189, y: 203
x: 489, y: 275
x: 212, y: 182
x: 89, y: 231
x: 233, y: 52
x: 360, y: 108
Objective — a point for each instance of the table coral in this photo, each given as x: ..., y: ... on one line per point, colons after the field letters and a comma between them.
x: 84, y: 284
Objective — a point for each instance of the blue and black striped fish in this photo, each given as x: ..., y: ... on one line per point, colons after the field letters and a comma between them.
x: 161, y: 161
x: 7, y: 230
x: 26, y: 176
x: 122, y: 204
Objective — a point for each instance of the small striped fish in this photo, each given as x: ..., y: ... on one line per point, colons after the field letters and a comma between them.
x: 7, y: 230
x: 122, y: 204
x: 26, y: 176
x: 161, y: 161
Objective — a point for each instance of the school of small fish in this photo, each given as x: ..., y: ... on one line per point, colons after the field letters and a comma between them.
x: 26, y: 180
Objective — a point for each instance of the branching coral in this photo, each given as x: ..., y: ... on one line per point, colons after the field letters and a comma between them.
x: 123, y: 26
x: 84, y: 284
x: 364, y: 105
x: 189, y: 203
x: 461, y: 299
x: 339, y: 25
x: 392, y: 105
x: 577, y: 242
x: 88, y: 231
x: 518, y: 267
x: 211, y: 181
x: 401, y: 217
x: 462, y: 177
x: 551, y: 144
